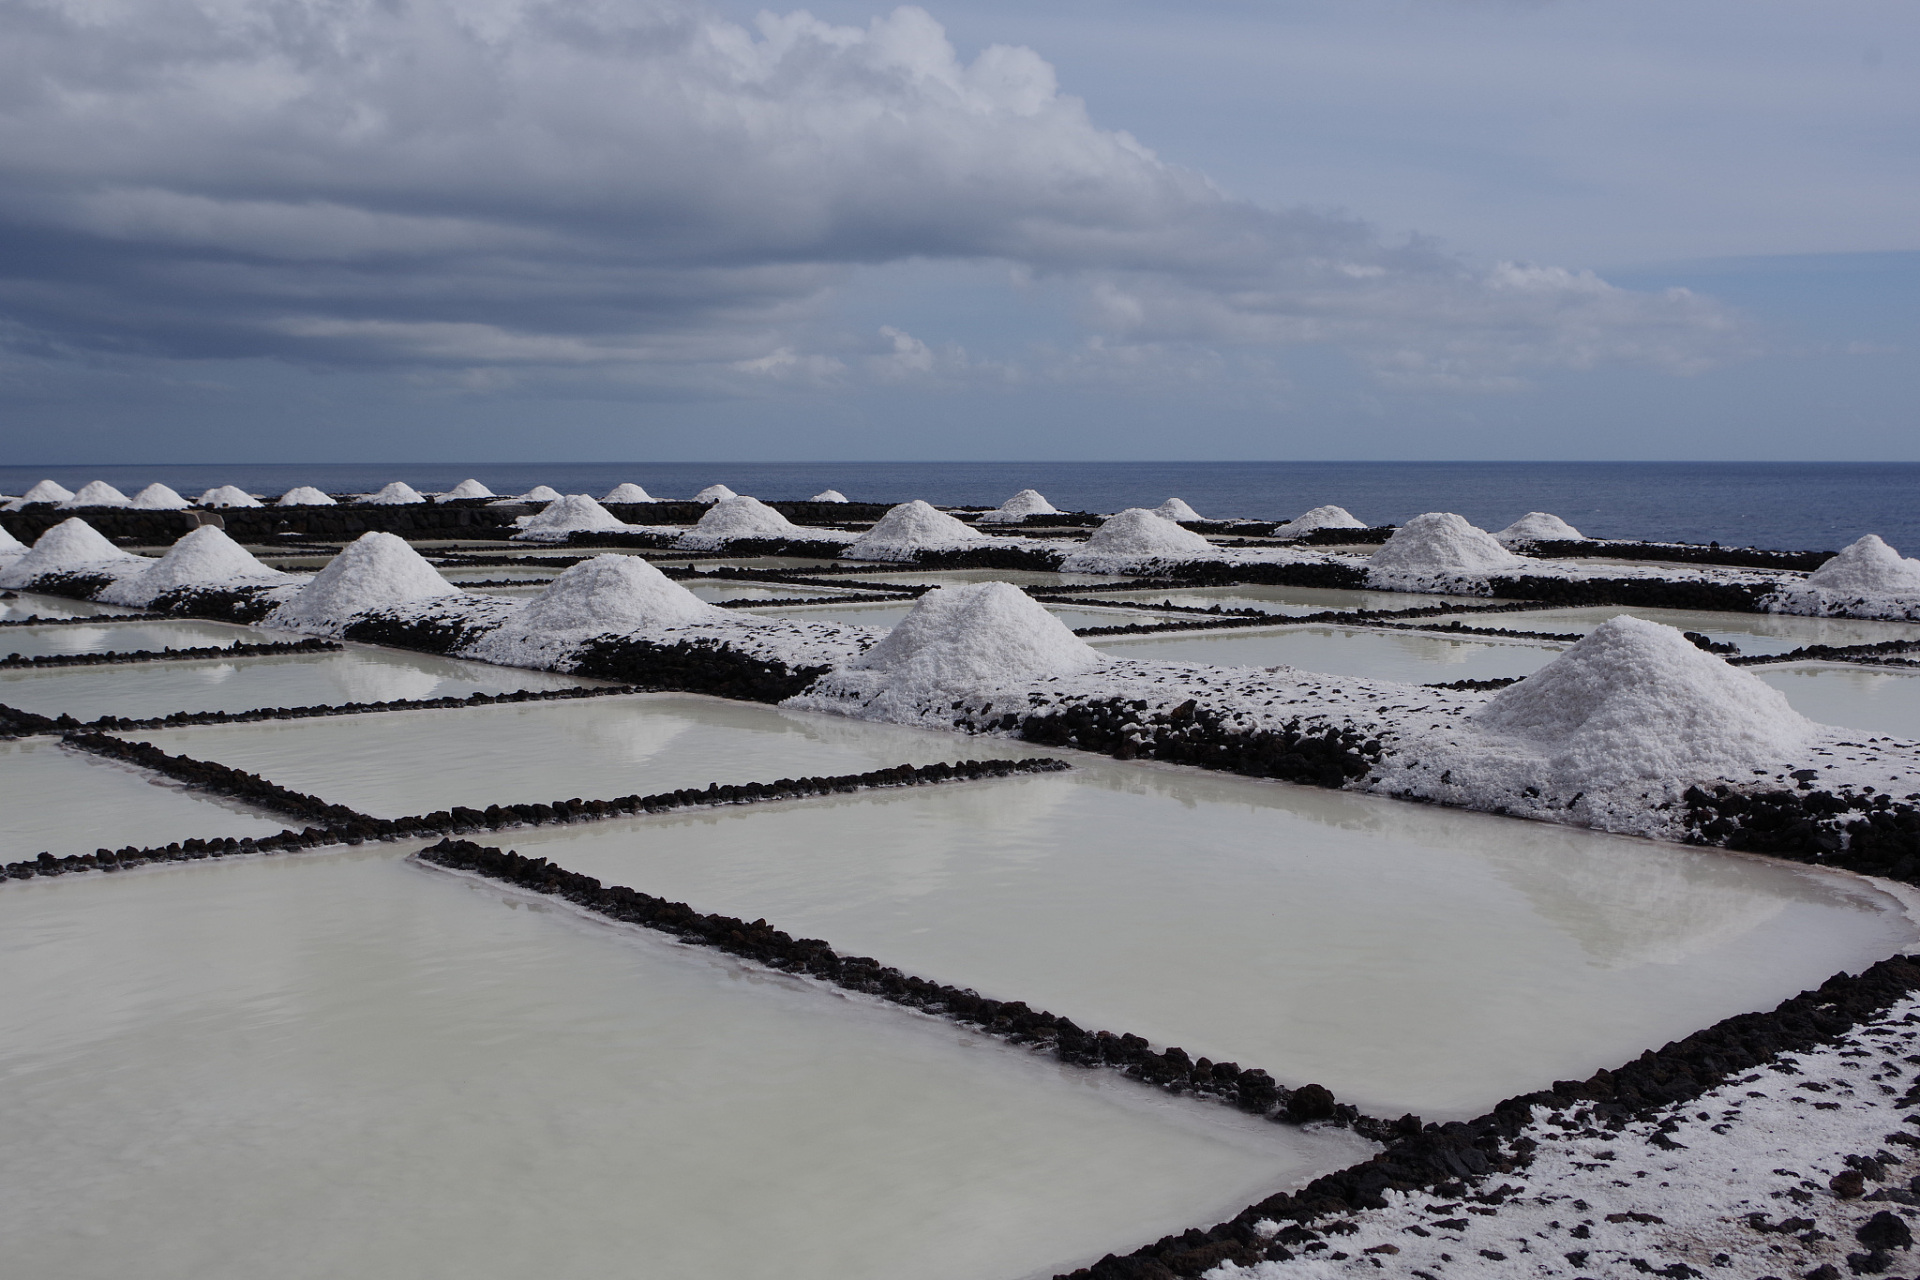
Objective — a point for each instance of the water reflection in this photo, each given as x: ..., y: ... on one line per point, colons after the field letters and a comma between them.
x: 1407, y: 656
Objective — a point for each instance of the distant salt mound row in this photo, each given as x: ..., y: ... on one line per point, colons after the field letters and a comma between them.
x: 96, y: 493
x: 46, y: 491
x: 469, y: 489
x: 1027, y: 502
x: 627, y: 493
x: 205, y: 558
x: 397, y: 494
x: 714, y: 493
x: 828, y: 495
x: 304, y: 496
x: 1176, y: 509
x: 1318, y: 518
x: 72, y: 546
x: 1432, y: 552
x: 1540, y: 526
x: 1869, y: 579
x: 227, y: 495
x: 910, y: 528
x: 1137, y: 536
x: 374, y: 571
x: 158, y: 497
x: 575, y: 513
x: 734, y: 518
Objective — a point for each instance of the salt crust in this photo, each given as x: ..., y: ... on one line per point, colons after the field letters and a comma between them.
x: 227, y: 495
x: 714, y: 493
x: 910, y: 528
x: 397, y: 494
x: 627, y: 493
x: 304, y: 496
x: 1177, y: 509
x: 469, y: 489
x: 1318, y: 518
x: 158, y: 497
x: 1027, y: 502
x: 1677, y: 1187
x: 1540, y: 526
x: 1868, y: 579
x: 737, y: 517
x: 828, y: 495
x: 374, y: 571
x: 575, y: 513
x: 205, y: 557
x: 96, y: 493
x: 45, y: 491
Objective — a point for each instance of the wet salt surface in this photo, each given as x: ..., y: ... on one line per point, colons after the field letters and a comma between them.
x: 1412, y: 657
x: 361, y: 673
x: 346, y: 1065
x: 409, y: 762
x: 1754, y: 633
x: 67, y: 803
x: 889, y: 615
x: 1297, y: 600
x: 1408, y: 958
x: 26, y: 605
x: 1870, y: 699
x: 123, y: 637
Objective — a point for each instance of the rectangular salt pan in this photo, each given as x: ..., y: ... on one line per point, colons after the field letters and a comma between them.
x: 23, y: 605
x: 1754, y: 633
x: 1018, y: 577
x: 65, y: 803
x: 889, y: 615
x: 1871, y: 700
x: 1295, y: 600
x: 1409, y: 958
x: 344, y: 1065
x: 123, y: 637
x: 362, y: 673
x: 1412, y: 657
x: 398, y: 763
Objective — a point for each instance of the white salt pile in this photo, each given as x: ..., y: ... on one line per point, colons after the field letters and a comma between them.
x: 227, y: 495
x: 1176, y: 509
x: 575, y: 513
x: 158, y: 497
x: 614, y: 593
x: 72, y: 546
x: 397, y: 494
x: 1868, y: 567
x: 1540, y: 526
x: 540, y: 493
x: 305, y: 496
x: 1437, y: 545
x: 714, y: 493
x: 1318, y: 518
x: 1137, y: 533
x: 469, y: 489
x: 374, y: 571
x: 1027, y: 502
x: 828, y: 495
x: 205, y: 557
x: 627, y: 493
x: 45, y: 491
x: 737, y: 517
x: 96, y: 493
x: 910, y: 528
x: 10, y: 546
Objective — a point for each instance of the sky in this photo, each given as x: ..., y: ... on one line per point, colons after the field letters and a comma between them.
x: 402, y: 230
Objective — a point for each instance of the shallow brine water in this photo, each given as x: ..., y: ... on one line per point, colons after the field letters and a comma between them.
x: 23, y: 604
x: 887, y: 616
x: 1870, y: 699
x: 348, y: 1065
x: 123, y: 637
x: 1412, y: 657
x: 1019, y: 577
x: 410, y: 762
x: 1297, y: 600
x: 1409, y: 958
x: 68, y: 803
x: 361, y: 673
x: 1754, y: 633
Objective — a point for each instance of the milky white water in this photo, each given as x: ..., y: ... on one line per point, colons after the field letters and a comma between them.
x: 1293, y: 600
x: 1413, y: 657
x: 123, y: 637
x: 361, y: 673
x: 334, y: 1065
x: 1870, y: 699
x: 887, y: 616
x: 717, y: 591
x: 15, y: 605
x: 396, y: 763
x: 1754, y: 633
x: 65, y: 803
x: 1409, y: 958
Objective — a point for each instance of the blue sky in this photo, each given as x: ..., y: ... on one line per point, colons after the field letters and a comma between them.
x: 503, y: 230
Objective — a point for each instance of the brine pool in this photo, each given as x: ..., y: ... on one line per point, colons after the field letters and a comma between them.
x: 345, y: 1064
x: 889, y: 615
x: 20, y: 605
x: 1411, y: 657
x: 122, y: 637
x: 1754, y: 633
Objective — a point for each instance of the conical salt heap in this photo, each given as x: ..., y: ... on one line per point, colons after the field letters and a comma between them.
x: 574, y: 513
x: 374, y: 571
x: 1441, y: 542
x: 1328, y: 517
x: 228, y: 495
x: 1540, y: 526
x: 627, y: 493
x: 72, y: 546
x: 97, y: 493
x: 158, y: 497
x: 1868, y: 567
x: 541, y: 493
x: 45, y: 491
x: 828, y: 495
x: 10, y: 546
x: 737, y: 517
x: 469, y: 489
x: 980, y: 634
x: 613, y: 593
x: 1027, y: 502
x: 910, y: 527
x: 305, y: 495
x: 1142, y: 533
x: 714, y: 493
x: 1176, y: 509
x: 397, y: 494
x: 205, y: 557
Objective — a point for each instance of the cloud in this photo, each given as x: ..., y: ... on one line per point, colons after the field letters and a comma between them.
x: 634, y: 191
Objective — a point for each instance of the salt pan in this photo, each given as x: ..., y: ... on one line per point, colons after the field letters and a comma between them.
x: 910, y: 528
x: 1318, y: 518
x: 1027, y: 502
x: 96, y: 493
x: 469, y: 489
x: 305, y: 496
x: 227, y: 495
x: 1176, y: 509
x: 397, y: 494
x: 374, y: 571
x: 158, y: 497
x: 627, y: 493
x: 714, y: 493
x: 45, y: 491
x: 205, y: 557
x: 1540, y: 526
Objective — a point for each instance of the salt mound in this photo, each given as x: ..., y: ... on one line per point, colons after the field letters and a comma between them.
x: 45, y: 491
x: 1868, y: 567
x: 910, y: 527
x: 70, y: 546
x: 205, y: 557
x: 397, y: 494
x: 983, y: 633
x: 1027, y: 502
x: 157, y: 497
x: 1175, y: 509
x: 1539, y: 526
x: 469, y: 489
x: 737, y: 517
x: 375, y: 570
x: 575, y: 513
x: 97, y: 493
x: 1636, y: 700
x: 627, y: 493
x: 828, y: 495
x: 612, y: 593
x: 1318, y: 518
x: 305, y: 496
x: 1441, y: 542
x: 1138, y: 532
x: 227, y: 495
x: 714, y: 493
x: 10, y: 545
x: 540, y: 493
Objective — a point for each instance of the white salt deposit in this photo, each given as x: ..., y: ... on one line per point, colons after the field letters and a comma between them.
x: 973, y: 636
x: 575, y: 513
x: 469, y: 489
x: 909, y: 528
x: 614, y: 593
x: 9, y: 545
x: 627, y: 493
x: 227, y: 495
x: 305, y: 496
x: 1176, y: 509
x: 158, y: 497
x: 375, y: 570
x: 205, y: 557
x: 540, y: 493
x: 397, y: 494
x: 1540, y: 526
x: 1137, y: 532
x: 45, y: 491
x: 714, y: 493
x: 737, y: 517
x: 1027, y: 502
x: 1440, y: 543
x: 69, y: 547
x: 1318, y: 518
x: 1868, y: 567
x: 828, y: 495
x: 96, y: 493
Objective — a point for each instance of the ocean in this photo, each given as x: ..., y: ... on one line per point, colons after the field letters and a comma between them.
x: 1787, y: 505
